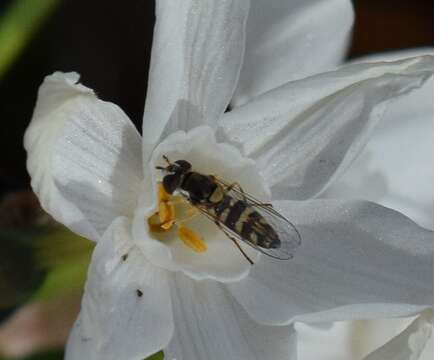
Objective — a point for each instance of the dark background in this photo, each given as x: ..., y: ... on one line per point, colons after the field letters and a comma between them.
x: 109, y: 42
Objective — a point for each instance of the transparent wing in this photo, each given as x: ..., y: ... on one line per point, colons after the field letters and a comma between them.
x: 286, y: 231
x: 288, y: 234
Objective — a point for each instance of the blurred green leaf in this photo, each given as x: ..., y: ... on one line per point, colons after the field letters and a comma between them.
x: 33, y: 245
x: 66, y: 256
x: 59, y: 356
x: 70, y: 277
x: 159, y: 356
x: 17, y: 26
x: 61, y: 246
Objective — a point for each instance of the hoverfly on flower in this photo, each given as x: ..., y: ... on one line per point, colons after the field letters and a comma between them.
x: 238, y: 214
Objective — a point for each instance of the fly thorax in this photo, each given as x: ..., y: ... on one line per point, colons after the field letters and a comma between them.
x: 199, y: 187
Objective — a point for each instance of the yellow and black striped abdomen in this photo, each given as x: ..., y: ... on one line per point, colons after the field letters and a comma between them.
x: 245, y: 221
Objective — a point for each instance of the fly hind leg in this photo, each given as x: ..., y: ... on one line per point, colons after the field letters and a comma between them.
x: 235, y: 242
x: 238, y: 188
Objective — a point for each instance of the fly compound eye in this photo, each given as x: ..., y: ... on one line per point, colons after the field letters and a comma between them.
x: 183, y: 165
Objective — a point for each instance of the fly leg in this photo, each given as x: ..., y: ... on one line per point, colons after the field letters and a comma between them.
x: 235, y: 242
x: 237, y: 186
x: 268, y: 205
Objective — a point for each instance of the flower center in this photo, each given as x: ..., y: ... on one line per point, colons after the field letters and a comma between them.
x: 176, y: 233
x: 175, y: 211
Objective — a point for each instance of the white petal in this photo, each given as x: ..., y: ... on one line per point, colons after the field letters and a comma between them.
x: 409, y: 344
x: 84, y: 156
x: 289, y: 40
x: 330, y: 343
x: 126, y: 311
x: 356, y: 256
x: 393, y: 169
x: 196, y: 57
x: 211, y: 325
x: 416, y: 104
x: 305, y: 133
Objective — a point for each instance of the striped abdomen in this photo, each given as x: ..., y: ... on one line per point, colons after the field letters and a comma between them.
x: 245, y: 221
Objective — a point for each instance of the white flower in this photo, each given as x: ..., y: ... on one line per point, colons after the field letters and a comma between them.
x: 93, y: 172
x: 394, y: 171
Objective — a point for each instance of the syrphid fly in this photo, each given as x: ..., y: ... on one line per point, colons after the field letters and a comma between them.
x: 238, y: 214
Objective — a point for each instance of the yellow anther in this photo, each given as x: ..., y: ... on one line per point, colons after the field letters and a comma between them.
x: 154, y: 223
x: 191, y: 239
x: 166, y: 213
x: 163, y: 195
x: 167, y: 225
x: 165, y: 218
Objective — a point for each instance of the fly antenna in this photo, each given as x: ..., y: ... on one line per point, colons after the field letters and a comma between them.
x: 166, y: 159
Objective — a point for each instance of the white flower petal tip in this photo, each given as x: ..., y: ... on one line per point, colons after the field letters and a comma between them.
x: 304, y: 134
x: 410, y: 343
x: 290, y: 40
x: 84, y: 156
x: 126, y: 307
x: 404, y: 136
x: 222, y: 260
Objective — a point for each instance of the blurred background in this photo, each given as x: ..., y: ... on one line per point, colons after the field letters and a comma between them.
x: 41, y: 269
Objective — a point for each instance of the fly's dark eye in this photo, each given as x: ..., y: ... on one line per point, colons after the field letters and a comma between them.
x: 171, y: 183
x: 183, y: 165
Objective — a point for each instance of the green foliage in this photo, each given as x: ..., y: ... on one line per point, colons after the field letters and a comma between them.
x: 158, y: 356
x: 66, y: 257
x: 59, y: 356
x: 17, y: 26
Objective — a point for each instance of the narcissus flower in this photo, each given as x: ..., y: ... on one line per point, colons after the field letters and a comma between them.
x: 188, y: 291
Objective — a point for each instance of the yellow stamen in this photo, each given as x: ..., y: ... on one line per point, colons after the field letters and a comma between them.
x: 167, y: 225
x: 154, y: 223
x: 163, y: 195
x: 192, y: 239
x: 166, y: 212
x: 165, y: 218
